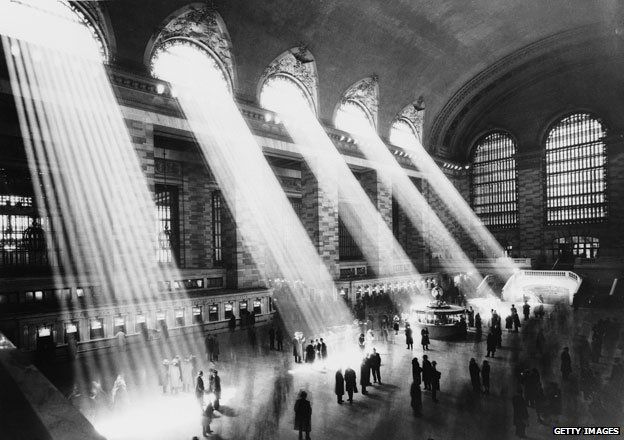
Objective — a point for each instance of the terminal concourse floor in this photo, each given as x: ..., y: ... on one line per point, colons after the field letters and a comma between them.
x: 260, y: 387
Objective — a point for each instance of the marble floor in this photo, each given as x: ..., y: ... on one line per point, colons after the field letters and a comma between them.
x: 260, y: 387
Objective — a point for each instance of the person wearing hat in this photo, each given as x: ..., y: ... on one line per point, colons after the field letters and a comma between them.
x: 199, y: 389
x: 214, y: 387
x: 303, y: 415
x: 435, y: 381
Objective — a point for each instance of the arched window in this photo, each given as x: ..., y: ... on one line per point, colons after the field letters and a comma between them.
x: 576, y: 161
x: 352, y: 117
x: 402, y: 134
x: 494, y: 196
x: 278, y: 90
x: 177, y: 54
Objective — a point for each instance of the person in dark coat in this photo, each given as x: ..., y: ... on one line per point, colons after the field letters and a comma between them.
x: 491, y: 344
x: 199, y: 389
x: 485, y: 377
x: 350, y: 383
x: 232, y: 323
x: 207, y: 416
x: 375, y: 363
x: 521, y: 415
x: 365, y: 370
x: 426, y: 372
x: 323, y: 349
x: 362, y: 341
x: 395, y: 327
x: 339, y: 388
x: 310, y: 352
x: 473, y: 367
x: 271, y: 338
x: 303, y: 415
x: 409, y: 340
x: 424, y: 338
x: 509, y: 323
x: 416, y: 370
x: 416, y: 398
x: 478, y: 326
x: 214, y: 387
x: 471, y: 317
x: 526, y: 310
x: 516, y: 322
x: 279, y: 337
x: 435, y: 381
x: 566, y: 363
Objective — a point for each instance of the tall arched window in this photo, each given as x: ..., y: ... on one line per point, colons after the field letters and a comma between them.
x: 494, y: 195
x: 281, y: 89
x: 352, y: 117
x: 576, y: 170
x: 402, y: 134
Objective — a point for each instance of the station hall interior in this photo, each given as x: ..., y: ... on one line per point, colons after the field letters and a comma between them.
x: 213, y: 213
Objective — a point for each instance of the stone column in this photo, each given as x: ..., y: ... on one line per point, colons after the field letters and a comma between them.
x: 319, y: 214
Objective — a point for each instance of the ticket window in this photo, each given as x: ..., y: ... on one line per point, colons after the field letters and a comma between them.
x: 213, y: 312
x: 257, y: 306
x: 141, y: 324
x: 229, y: 310
x: 179, y: 317
x: 242, y: 307
x: 161, y: 319
x: 44, y: 337
x: 72, y: 331
x: 197, y: 315
x: 119, y: 324
x: 96, y: 328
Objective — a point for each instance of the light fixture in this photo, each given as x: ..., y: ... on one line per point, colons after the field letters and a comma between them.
x: 267, y: 117
x: 160, y: 88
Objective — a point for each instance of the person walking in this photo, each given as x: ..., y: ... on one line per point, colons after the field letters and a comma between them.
x: 424, y: 338
x: 435, y: 381
x: 526, y: 310
x: 339, y: 388
x: 566, y: 363
x: 491, y: 344
x: 478, y: 326
x: 471, y: 317
x: 303, y: 415
x: 416, y: 371
x: 296, y: 352
x: 310, y: 352
x: 485, y: 377
x: 409, y: 340
x: 416, y: 398
x: 375, y: 363
x: 207, y: 416
x: 214, y: 387
x: 350, y: 383
x: 426, y: 372
x: 323, y: 349
x: 521, y: 415
x: 474, y: 370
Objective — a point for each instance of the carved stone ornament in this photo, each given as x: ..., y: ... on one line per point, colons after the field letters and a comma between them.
x: 366, y: 93
x: 201, y: 24
x: 298, y: 63
x: 415, y: 114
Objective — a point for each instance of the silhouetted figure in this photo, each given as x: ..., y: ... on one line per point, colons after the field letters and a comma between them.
x: 424, y: 338
x: 323, y: 350
x: 375, y: 364
x: 303, y: 415
x: 279, y: 337
x: 350, y: 383
x: 526, y: 310
x: 207, y: 416
x: 485, y: 377
x: 566, y: 363
x: 416, y: 398
x: 471, y: 317
x: 339, y: 388
x: 491, y: 344
x: 416, y: 371
x: 478, y: 326
x: 521, y: 415
x: 214, y: 387
x: 310, y: 352
x: 199, y: 389
x: 232, y: 323
x: 271, y: 338
x: 426, y: 372
x: 474, y: 370
x: 409, y: 340
x: 365, y: 374
x: 435, y: 381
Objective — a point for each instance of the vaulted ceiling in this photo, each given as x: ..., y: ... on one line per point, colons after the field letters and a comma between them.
x: 432, y: 48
